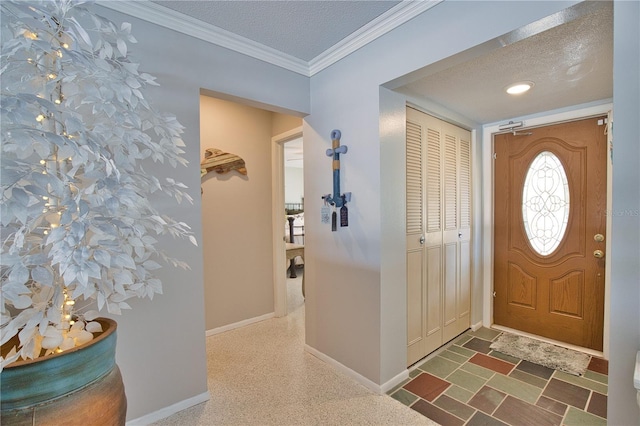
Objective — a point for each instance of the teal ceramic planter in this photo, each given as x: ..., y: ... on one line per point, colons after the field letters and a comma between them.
x: 32, y: 388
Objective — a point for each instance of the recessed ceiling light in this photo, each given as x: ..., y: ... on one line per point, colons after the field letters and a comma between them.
x: 520, y: 87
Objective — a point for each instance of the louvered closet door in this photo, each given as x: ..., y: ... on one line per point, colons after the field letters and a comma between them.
x: 457, y: 230
x: 438, y: 231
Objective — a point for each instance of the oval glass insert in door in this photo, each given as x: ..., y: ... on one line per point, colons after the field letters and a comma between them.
x: 545, y: 203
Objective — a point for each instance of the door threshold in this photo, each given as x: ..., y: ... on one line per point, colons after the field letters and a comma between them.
x: 587, y: 351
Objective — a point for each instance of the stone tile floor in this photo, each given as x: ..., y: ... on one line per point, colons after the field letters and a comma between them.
x: 467, y: 383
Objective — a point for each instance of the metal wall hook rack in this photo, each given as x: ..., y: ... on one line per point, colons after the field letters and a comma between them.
x: 337, y: 199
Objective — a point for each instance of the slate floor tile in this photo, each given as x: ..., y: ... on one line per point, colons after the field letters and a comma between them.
x: 436, y: 414
x: 524, y: 391
x: 504, y: 357
x: 481, y: 419
x: 477, y: 370
x: 462, y: 339
x: 517, y: 412
x: 598, y: 377
x: 583, y: 382
x: 466, y: 380
x: 467, y: 353
x: 551, y: 405
x: 458, y: 393
x: 568, y: 393
x: 452, y: 356
x: 469, y: 384
x: 535, y: 369
x: 575, y: 417
x: 487, y: 399
x: 427, y: 386
x: 492, y: 363
x: 529, y: 378
x: 454, y: 407
x: 478, y: 345
x: 485, y: 333
x: 598, y: 405
x: 599, y: 365
x: 439, y: 366
x: 407, y: 398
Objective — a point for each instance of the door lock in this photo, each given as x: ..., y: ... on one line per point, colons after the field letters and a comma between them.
x: 598, y: 238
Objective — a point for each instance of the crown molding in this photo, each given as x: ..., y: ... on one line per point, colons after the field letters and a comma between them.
x: 394, y: 17
x: 168, y: 18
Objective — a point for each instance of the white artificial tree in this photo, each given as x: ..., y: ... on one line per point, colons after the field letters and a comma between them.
x: 79, y: 233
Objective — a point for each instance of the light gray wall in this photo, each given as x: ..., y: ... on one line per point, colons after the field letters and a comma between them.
x: 161, y: 342
x: 293, y: 184
x: 356, y: 306
x: 625, y: 251
x: 355, y: 301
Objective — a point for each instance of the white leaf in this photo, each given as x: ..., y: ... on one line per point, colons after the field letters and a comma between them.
x: 52, y: 342
x: 126, y: 261
x: 193, y: 240
x: 22, y: 302
x: 67, y: 344
x: 151, y: 265
x: 122, y: 47
x: 102, y: 257
x: 93, y: 327
x: 83, y: 337
x: 91, y: 315
x: 81, y: 32
x: 42, y: 275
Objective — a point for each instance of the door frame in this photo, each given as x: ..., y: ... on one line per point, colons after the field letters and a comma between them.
x: 277, y: 203
x: 487, y: 209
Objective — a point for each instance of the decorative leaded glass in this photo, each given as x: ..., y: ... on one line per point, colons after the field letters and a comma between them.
x: 545, y: 203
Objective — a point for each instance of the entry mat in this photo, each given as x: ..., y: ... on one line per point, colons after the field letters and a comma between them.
x: 542, y: 353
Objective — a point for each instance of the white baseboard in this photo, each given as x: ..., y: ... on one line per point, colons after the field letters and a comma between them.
x: 239, y: 324
x: 476, y: 326
x: 390, y: 384
x: 372, y: 386
x: 168, y: 411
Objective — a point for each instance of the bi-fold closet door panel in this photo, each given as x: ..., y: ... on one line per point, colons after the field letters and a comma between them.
x: 438, y: 232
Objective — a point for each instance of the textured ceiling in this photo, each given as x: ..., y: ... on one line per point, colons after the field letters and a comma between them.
x: 570, y: 64
x: 303, y: 29
x: 567, y: 55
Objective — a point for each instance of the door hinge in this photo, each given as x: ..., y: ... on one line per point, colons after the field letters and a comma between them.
x: 494, y: 294
x: 495, y: 156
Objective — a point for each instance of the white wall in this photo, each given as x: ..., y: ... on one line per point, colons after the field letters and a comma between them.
x: 237, y: 235
x: 356, y: 305
x: 625, y: 237
x: 293, y: 184
x: 355, y: 293
x: 161, y: 343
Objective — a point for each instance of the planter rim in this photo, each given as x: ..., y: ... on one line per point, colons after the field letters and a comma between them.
x: 45, y: 379
x: 106, y: 331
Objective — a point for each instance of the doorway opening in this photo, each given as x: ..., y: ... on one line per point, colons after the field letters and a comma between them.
x: 550, y: 231
x: 495, y: 294
x: 288, y: 221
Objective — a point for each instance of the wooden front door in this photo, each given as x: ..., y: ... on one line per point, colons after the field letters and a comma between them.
x: 549, y: 236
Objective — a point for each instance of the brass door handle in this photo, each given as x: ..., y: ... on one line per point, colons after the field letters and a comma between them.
x: 599, y: 254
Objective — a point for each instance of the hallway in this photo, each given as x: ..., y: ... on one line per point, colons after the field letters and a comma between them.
x: 261, y: 375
